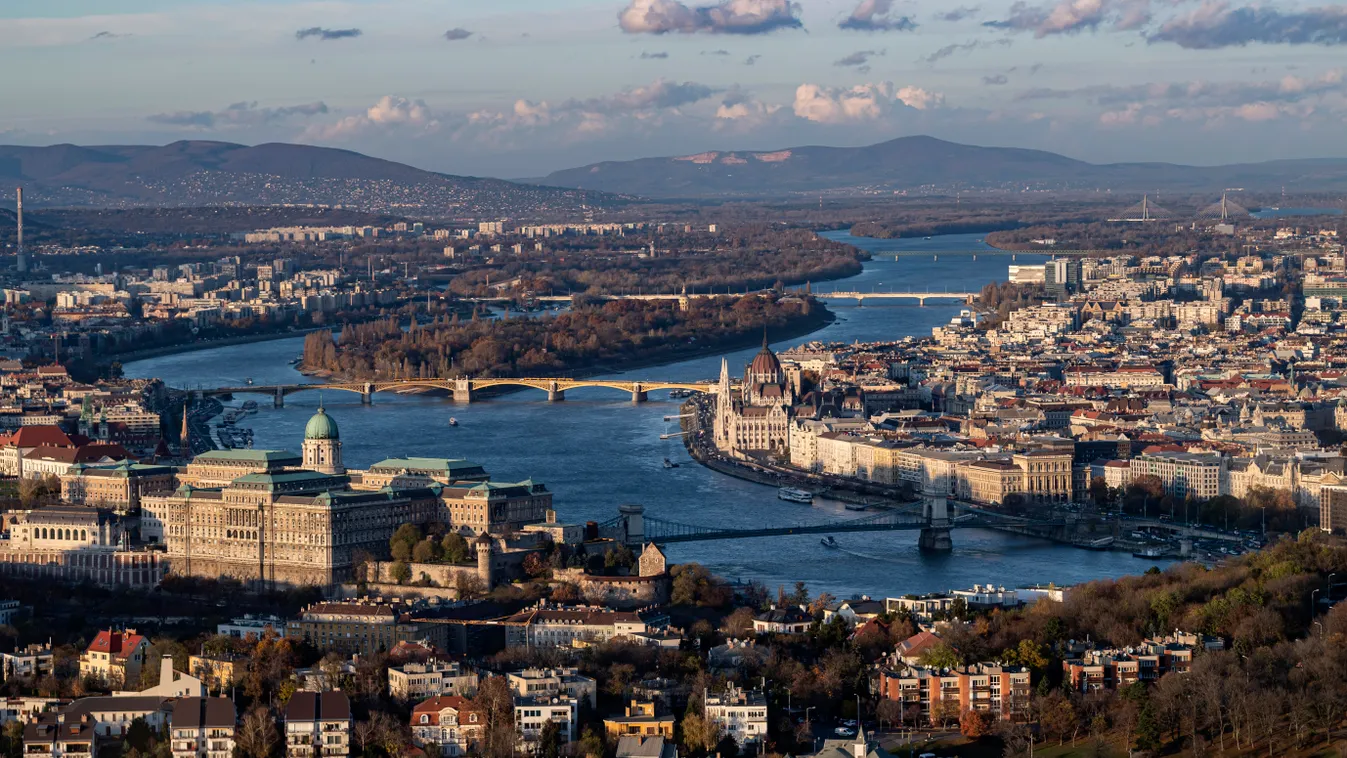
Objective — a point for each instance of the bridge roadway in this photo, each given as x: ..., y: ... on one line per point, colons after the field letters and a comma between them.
x: 898, y: 254
x: 920, y: 297
x: 462, y: 390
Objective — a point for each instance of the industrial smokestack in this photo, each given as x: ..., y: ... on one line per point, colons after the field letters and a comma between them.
x: 22, y: 263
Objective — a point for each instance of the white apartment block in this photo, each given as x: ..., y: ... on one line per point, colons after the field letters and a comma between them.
x: 739, y: 713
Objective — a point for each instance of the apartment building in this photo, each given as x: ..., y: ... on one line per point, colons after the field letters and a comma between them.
x: 1183, y: 474
x: 639, y: 718
x: 1108, y: 669
x: 738, y: 713
x: 531, y: 715
x: 30, y: 663
x: 941, y: 695
x: 353, y: 627
x: 572, y: 626
x: 202, y: 727
x: 417, y: 680
x: 549, y: 682
x: 318, y: 725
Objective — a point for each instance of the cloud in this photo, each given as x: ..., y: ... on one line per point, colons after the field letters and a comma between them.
x: 874, y: 16
x: 654, y: 56
x: 716, y: 52
x: 858, y: 58
x: 1072, y: 16
x: 389, y: 113
x: 327, y: 34
x: 108, y: 35
x: 750, y: 60
x: 726, y: 17
x: 864, y: 102
x: 995, y: 81
x: 457, y: 33
x: 959, y: 14
x: 238, y: 115
x: 966, y: 47
x: 741, y: 109
x: 661, y: 93
x: 1216, y: 24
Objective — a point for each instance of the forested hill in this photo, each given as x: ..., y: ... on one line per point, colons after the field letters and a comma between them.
x: 199, y: 173
x: 926, y: 164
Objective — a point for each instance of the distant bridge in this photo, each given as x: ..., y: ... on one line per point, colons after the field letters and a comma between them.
x: 462, y: 390
x: 685, y: 298
x: 896, y: 254
x: 920, y: 297
x: 931, y: 517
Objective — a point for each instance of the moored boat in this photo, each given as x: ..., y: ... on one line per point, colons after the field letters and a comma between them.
x: 792, y: 495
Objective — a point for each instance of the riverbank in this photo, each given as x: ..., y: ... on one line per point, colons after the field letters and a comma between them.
x: 246, y: 339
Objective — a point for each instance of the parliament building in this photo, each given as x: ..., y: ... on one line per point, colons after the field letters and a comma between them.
x: 757, y: 418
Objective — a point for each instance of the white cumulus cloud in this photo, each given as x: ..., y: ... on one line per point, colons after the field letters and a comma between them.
x: 863, y: 102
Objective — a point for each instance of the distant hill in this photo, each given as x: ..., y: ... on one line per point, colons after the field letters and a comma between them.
x: 912, y: 163
x: 199, y: 173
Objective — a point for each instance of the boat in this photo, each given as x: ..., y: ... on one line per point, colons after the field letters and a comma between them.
x: 250, y: 406
x: 1103, y: 543
x: 669, y: 464
x: 792, y: 495
x: 248, y: 381
x: 829, y: 541
x: 1150, y: 552
x: 928, y: 238
x: 453, y: 421
x: 856, y: 506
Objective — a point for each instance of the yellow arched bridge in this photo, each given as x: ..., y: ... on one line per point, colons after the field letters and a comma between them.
x: 462, y: 390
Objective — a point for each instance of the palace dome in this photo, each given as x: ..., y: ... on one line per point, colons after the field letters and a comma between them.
x: 765, y: 363
x: 321, y: 427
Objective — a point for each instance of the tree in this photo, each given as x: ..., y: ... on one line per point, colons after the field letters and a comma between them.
x: 534, y: 566
x: 400, y: 572
x: 549, y: 740
x: 1057, y: 717
x: 497, y: 702
x: 455, y: 548
x: 941, y: 656
x: 427, y: 551
x: 889, y: 712
x: 974, y: 724
x: 257, y: 735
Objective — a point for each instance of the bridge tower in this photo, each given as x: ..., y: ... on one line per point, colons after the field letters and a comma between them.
x: 554, y: 393
x: 633, y: 523
x: 638, y: 394
x: 463, y: 391
x: 935, y: 535
x: 279, y: 399
x: 367, y: 395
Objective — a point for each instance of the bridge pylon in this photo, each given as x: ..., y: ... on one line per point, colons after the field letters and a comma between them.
x: 279, y: 398
x: 554, y: 393
x: 463, y: 391
x: 633, y: 524
x: 638, y: 394
x: 935, y: 535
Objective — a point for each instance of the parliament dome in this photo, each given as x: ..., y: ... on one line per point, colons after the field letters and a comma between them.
x: 321, y: 427
x: 765, y: 363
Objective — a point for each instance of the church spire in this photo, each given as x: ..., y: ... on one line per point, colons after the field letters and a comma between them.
x: 186, y: 433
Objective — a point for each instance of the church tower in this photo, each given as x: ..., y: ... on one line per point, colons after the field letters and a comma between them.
x: 322, y: 444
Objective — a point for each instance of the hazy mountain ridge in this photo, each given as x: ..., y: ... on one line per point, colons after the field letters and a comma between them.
x: 193, y: 173
x: 911, y: 163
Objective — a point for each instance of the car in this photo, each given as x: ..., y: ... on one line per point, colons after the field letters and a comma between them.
x: 843, y: 731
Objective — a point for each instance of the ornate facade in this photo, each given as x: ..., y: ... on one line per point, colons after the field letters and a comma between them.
x: 758, y: 418
x: 286, y: 519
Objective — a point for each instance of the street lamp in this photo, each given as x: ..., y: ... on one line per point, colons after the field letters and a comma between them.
x: 1321, y: 629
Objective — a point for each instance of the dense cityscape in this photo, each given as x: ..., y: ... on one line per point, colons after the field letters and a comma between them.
x: 672, y: 379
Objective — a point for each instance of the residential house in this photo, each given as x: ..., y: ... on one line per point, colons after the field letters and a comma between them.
x: 451, y: 722
x: 318, y: 725
x: 202, y: 727
x: 115, y: 658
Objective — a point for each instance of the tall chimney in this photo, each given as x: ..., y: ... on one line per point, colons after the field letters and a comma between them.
x: 22, y: 263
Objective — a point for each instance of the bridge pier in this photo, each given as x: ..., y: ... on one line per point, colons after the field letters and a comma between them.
x: 279, y: 399
x: 638, y: 394
x: 633, y: 521
x: 935, y: 536
x: 555, y: 395
x: 462, y: 391
x: 921, y: 302
x: 367, y: 398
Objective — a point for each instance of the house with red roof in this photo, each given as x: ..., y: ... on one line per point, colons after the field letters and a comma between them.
x: 115, y: 658
x: 24, y: 440
x: 452, y: 722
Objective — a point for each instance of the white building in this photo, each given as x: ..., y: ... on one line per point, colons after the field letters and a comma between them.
x: 202, y: 727
x: 415, y: 681
x: 551, y: 682
x: 739, y: 713
x: 531, y: 714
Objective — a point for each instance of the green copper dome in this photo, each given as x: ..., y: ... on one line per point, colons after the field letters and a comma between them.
x: 321, y: 427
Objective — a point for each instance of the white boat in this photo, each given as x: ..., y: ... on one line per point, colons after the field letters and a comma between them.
x: 453, y: 421
x: 792, y: 495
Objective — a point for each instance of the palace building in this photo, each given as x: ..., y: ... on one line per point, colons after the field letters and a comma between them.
x: 758, y: 419
x: 307, y: 520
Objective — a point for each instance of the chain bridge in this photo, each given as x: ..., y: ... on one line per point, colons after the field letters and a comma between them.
x: 931, y: 517
x: 462, y: 390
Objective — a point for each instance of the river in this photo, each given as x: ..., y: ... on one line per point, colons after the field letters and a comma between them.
x: 597, y: 450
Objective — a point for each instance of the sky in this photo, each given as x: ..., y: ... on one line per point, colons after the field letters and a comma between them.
x: 519, y: 88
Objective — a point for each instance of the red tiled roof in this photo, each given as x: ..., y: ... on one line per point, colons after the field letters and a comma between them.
x: 119, y: 644
x: 37, y: 436
x: 432, y: 707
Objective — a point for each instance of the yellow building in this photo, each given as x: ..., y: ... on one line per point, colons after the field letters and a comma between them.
x: 218, y: 672
x: 640, y: 720
x: 1047, y: 474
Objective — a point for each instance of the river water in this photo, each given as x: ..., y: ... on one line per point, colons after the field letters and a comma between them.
x: 596, y: 450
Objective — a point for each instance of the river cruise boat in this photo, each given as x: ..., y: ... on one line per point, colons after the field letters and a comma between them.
x: 792, y: 495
